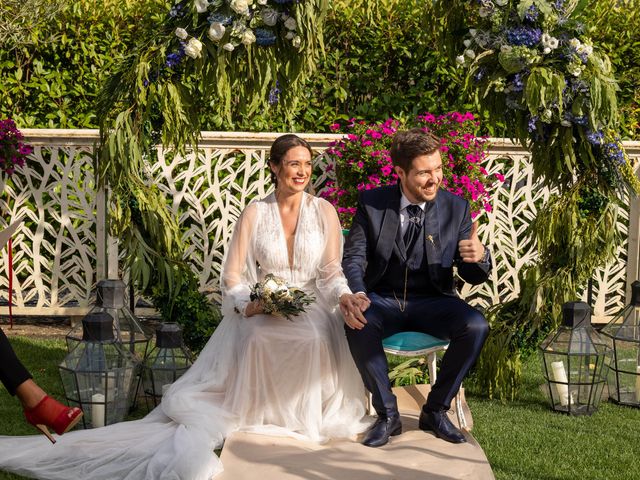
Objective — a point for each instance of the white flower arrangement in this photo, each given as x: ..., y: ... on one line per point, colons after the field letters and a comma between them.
x: 235, y: 23
x: 278, y: 298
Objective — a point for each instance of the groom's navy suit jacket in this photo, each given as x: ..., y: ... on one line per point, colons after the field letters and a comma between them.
x: 375, y: 234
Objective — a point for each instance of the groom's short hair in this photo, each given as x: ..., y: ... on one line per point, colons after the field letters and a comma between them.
x: 409, y: 144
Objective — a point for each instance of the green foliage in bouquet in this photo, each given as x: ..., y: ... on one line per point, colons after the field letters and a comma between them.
x: 362, y: 160
x: 240, y: 54
x: 531, y: 64
x: 279, y: 299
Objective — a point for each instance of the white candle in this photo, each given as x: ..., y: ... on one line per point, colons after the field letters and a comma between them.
x: 97, y: 410
x: 638, y: 384
x: 559, y: 375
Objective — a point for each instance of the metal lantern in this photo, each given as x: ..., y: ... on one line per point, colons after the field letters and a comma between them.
x: 623, y: 334
x: 575, y: 359
x: 167, y: 362
x: 126, y: 327
x: 98, y: 374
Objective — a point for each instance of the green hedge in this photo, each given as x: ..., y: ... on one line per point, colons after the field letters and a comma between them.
x: 382, y: 58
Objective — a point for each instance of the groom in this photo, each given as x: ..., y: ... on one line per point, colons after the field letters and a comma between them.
x: 399, y: 257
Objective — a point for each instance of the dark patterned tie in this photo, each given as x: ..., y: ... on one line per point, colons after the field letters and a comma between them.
x: 414, y: 216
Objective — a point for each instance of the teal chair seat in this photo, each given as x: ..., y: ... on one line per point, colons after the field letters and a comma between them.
x: 415, y: 344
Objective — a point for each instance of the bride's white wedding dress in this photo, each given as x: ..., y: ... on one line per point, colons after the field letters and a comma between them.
x: 262, y: 374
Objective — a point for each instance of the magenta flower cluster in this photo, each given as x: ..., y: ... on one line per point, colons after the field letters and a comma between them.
x: 13, y: 151
x: 362, y: 160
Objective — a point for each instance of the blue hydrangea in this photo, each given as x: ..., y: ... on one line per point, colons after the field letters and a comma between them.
x: 531, y: 126
x: 274, y: 94
x: 558, y: 5
x: 532, y: 14
x: 225, y: 20
x: 177, y: 11
x: 595, y: 138
x: 479, y: 75
x: 174, y: 58
x: 527, y: 36
x: 613, y: 151
x: 264, y: 37
x: 517, y: 85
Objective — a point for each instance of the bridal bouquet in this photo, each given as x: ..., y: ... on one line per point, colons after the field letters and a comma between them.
x: 280, y: 299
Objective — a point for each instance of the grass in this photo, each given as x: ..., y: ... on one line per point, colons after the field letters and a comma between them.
x: 523, y: 440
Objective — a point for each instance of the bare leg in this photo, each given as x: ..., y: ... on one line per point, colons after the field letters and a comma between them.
x: 29, y: 394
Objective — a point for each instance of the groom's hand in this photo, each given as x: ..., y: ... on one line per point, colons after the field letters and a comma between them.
x: 472, y: 250
x: 352, y: 306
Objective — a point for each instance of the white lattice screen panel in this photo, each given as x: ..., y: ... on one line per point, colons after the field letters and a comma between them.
x: 56, y: 257
x: 54, y: 250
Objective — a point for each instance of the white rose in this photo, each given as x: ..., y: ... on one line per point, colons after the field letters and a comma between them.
x: 262, y: 2
x: 501, y: 3
x: 193, y: 48
x: 472, y: 32
x: 248, y: 37
x: 270, y: 17
x: 470, y: 54
x: 296, y: 41
x: 290, y: 23
x: 228, y: 47
x: 216, y: 32
x: 202, y: 5
x: 240, y: 6
x: 181, y: 33
x: 290, y: 35
x: 271, y: 285
x: 460, y: 60
x: 467, y: 43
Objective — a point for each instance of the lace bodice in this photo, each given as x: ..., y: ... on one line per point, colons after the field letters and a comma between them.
x: 259, y: 246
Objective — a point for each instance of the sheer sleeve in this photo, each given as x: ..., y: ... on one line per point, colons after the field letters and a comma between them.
x: 330, y: 280
x: 238, y: 267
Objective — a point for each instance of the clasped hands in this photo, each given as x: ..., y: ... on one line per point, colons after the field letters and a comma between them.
x: 352, y: 305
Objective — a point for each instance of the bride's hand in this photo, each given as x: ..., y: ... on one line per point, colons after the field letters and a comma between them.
x: 254, y: 307
x: 352, y: 307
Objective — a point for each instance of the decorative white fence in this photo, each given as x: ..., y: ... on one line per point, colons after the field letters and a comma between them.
x: 61, y: 249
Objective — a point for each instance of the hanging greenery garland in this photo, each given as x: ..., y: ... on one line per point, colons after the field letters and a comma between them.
x: 241, y: 55
x: 531, y: 65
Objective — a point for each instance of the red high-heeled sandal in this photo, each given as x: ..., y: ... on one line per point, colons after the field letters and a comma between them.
x: 49, y: 413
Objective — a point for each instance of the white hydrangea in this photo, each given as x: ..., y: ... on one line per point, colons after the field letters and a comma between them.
x: 248, y: 37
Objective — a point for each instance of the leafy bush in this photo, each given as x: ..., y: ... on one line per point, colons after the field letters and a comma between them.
x: 197, y: 316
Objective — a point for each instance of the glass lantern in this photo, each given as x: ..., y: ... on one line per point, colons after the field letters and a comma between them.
x: 166, y: 362
x: 623, y: 334
x: 575, y: 358
x: 98, y: 374
x: 126, y: 327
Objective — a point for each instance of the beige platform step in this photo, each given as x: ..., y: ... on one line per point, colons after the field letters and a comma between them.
x: 413, y: 455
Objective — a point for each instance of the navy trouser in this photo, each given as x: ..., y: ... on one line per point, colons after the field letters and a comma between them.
x: 447, y: 318
x: 12, y: 372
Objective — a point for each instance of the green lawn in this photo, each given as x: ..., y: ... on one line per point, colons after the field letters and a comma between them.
x: 524, y: 440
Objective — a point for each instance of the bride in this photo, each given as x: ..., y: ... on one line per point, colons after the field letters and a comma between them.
x: 257, y: 373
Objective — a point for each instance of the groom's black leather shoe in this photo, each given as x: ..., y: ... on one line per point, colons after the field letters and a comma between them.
x: 381, y: 430
x: 438, y: 422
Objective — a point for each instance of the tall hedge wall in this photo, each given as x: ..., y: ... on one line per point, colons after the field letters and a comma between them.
x: 382, y: 58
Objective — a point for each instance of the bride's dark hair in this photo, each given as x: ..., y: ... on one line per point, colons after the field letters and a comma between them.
x: 281, y: 146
